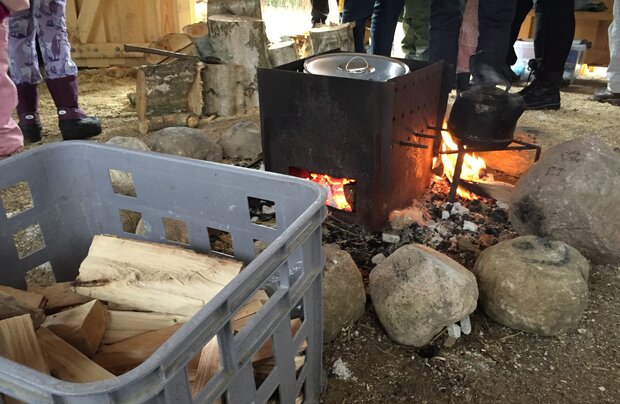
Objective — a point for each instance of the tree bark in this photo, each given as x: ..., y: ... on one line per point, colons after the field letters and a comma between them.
x: 249, y: 8
x: 241, y: 41
x: 332, y: 37
x: 227, y: 90
x: 282, y: 53
x: 168, y: 90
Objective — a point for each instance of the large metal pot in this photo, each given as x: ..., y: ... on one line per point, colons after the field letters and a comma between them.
x: 485, y: 117
x: 359, y: 66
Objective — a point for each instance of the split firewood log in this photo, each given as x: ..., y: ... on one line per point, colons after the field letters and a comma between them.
x: 67, y: 363
x: 83, y: 326
x: 153, y: 277
x: 13, y: 306
x: 127, y: 324
x: 175, y: 42
x: 34, y: 300
x: 59, y: 296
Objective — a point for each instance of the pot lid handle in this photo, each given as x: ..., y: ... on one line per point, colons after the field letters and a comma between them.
x: 357, y: 70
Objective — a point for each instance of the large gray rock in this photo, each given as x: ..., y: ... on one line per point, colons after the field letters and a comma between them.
x: 416, y: 292
x: 185, y: 142
x: 572, y: 195
x: 128, y: 143
x: 533, y: 284
x: 344, y: 298
x: 242, y: 141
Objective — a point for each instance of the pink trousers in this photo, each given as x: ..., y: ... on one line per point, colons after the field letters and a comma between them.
x: 11, y: 139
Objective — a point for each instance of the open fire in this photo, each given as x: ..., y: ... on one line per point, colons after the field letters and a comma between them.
x: 336, y: 190
x: 473, y: 165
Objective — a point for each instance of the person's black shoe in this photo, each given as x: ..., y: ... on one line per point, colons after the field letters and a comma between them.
x: 604, y: 95
x: 32, y: 133
x: 539, y: 95
x: 78, y: 129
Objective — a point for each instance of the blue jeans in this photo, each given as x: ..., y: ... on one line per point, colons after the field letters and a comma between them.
x: 384, y: 17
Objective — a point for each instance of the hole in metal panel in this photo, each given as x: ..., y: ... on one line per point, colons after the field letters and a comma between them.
x: 176, y: 230
x: 29, y: 240
x: 122, y: 183
x: 263, y: 212
x: 40, y: 276
x: 221, y: 241
x: 16, y: 199
x: 130, y: 221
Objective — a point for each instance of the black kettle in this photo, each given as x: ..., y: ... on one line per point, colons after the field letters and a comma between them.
x: 485, y: 117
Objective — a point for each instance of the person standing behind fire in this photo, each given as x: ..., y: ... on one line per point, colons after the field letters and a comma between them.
x: 11, y: 140
x: 555, y: 29
x: 611, y: 93
x: 384, y: 18
x: 45, y: 21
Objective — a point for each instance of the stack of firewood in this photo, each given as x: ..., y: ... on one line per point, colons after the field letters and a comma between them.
x: 129, y: 298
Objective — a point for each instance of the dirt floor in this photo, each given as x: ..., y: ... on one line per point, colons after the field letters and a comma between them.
x: 494, y: 363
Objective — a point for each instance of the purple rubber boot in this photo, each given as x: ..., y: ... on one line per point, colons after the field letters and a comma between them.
x: 27, y: 107
x: 74, y: 124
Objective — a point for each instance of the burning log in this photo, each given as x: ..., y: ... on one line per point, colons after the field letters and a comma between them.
x: 500, y: 191
x: 167, y: 90
x: 332, y: 37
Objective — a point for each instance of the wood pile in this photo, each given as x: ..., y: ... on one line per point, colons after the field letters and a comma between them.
x: 129, y: 298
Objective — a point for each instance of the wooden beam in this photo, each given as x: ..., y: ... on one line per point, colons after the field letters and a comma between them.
x: 90, y: 12
x: 104, y: 50
x: 67, y: 363
x: 83, y: 326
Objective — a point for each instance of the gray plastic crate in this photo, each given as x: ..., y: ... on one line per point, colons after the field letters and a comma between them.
x: 73, y: 200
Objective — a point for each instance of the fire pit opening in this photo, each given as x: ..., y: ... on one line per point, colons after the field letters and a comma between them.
x: 340, y: 191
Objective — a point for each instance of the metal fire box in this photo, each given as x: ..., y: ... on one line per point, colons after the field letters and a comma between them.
x: 381, y: 134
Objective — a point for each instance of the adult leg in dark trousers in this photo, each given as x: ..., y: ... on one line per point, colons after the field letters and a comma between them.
x: 445, y: 26
x: 384, y: 20
x: 494, y: 24
x: 358, y: 11
x: 554, y: 38
x: 320, y: 11
x: 522, y: 10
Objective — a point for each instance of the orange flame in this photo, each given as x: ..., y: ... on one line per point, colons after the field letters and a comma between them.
x: 473, y: 165
x: 336, y: 197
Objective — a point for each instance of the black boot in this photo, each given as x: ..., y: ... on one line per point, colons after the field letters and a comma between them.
x: 544, y: 91
x: 74, y: 124
x: 27, y: 106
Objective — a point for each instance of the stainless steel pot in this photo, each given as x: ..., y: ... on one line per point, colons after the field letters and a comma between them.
x: 359, y: 66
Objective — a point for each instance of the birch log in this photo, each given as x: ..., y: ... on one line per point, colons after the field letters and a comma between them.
x: 168, y: 89
x: 227, y: 90
x: 241, y: 41
x: 249, y: 8
x: 282, y: 53
x: 330, y: 37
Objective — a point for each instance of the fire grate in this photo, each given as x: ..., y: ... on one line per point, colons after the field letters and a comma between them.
x: 516, y: 145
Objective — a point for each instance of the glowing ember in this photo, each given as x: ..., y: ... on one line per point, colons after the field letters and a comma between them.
x: 336, y: 196
x: 472, y: 164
